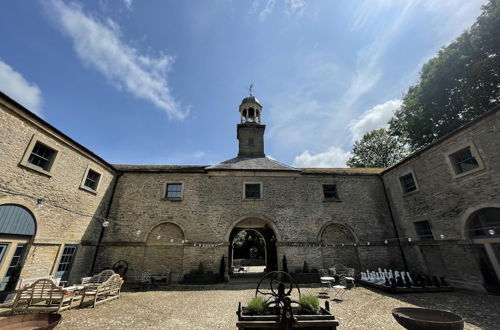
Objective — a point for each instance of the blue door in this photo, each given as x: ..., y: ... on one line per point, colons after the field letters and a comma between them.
x: 66, y: 262
x: 13, y: 266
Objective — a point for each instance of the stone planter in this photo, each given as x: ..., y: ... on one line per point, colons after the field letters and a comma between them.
x: 325, y: 320
x: 304, y: 278
x: 207, y: 278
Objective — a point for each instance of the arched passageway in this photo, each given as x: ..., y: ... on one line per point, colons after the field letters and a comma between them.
x: 17, y: 228
x: 263, y: 232
x: 337, y: 242
x: 164, y: 250
x: 484, y: 231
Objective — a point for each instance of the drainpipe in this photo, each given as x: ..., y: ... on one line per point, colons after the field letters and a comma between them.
x: 101, y: 235
x: 405, y: 264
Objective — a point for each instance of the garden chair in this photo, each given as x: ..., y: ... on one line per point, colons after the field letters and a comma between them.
x: 104, y: 291
x: 339, y: 289
x: 326, y: 280
x: 45, y: 296
x: 146, y: 280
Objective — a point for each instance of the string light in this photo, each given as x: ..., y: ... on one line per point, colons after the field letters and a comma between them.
x: 106, y: 222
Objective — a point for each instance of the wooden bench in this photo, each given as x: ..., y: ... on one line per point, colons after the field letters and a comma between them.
x: 104, y: 291
x: 44, y: 295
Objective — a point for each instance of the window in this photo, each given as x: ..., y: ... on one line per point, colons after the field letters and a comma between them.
x: 463, y: 161
x: 407, y: 182
x: 253, y: 190
x: 423, y: 230
x: 92, y: 179
x: 174, y: 191
x: 42, y: 156
x: 66, y: 261
x: 251, y: 141
x: 330, y: 192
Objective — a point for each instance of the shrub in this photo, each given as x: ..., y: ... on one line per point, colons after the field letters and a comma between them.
x: 222, y: 270
x: 305, y: 267
x: 285, y: 265
x: 201, y: 268
x: 310, y: 303
x: 257, y: 305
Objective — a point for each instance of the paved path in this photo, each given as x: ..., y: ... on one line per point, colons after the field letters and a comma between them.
x: 214, y: 307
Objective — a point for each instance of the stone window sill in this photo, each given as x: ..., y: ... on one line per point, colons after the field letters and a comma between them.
x: 36, y: 169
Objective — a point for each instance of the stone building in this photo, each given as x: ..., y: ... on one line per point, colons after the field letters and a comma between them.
x: 436, y: 211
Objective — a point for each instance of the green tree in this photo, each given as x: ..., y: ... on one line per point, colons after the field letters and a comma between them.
x: 456, y: 86
x: 377, y: 149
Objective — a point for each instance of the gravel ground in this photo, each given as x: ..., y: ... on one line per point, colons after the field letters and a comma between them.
x: 214, y: 307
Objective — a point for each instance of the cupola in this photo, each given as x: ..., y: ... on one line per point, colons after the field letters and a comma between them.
x: 250, y: 131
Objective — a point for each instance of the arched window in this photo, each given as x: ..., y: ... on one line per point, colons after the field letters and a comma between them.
x: 251, y: 113
x: 485, y: 223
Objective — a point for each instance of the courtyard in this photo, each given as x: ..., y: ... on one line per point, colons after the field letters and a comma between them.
x: 214, y: 307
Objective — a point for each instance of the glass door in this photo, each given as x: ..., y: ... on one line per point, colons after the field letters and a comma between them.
x: 13, y: 269
x: 66, y: 262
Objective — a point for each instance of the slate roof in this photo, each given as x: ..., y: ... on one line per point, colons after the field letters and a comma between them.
x: 161, y: 168
x: 254, y: 164
x: 346, y: 171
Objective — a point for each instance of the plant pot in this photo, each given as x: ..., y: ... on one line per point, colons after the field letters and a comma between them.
x: 208, y: 278
x: 302, y: 278
x: 324, y: 321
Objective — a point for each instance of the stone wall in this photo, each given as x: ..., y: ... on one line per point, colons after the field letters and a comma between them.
x: 64, y: 213
x: 447, y: 201
x: 292, y: 204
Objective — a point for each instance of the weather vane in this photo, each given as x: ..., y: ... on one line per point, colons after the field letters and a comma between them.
x: 250, y: 89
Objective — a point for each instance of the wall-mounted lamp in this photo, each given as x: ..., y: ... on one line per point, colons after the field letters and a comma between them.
x: 105, y: 223
x: 441, y: 236
x: 491, y: 232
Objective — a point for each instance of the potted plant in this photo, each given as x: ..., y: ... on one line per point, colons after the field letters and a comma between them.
x: 279, y: 311
x: 200, y: 276
x: 305, y: 276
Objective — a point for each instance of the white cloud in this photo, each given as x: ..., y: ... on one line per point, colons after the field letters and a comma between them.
x: 374, y: 118
x: 295, y: 8
x: 268, y: 9
x: 99, y: 44
x: 128, y: 4
x: 18, y: 88
x: 334, y: 157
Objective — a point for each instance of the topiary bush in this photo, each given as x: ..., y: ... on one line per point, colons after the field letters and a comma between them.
x: 305, y: 267
x: 201, y: 268
x: 310, y: 304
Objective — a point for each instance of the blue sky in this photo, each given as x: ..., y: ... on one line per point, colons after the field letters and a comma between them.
x: 160, y: 82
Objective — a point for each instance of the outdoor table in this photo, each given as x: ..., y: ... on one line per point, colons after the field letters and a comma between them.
x: 77, y: 291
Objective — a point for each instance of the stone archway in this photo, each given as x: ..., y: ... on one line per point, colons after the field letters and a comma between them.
x: 339, y: 240
x: 265, y: 229
x: 483, y: 228
x: 164, y: 250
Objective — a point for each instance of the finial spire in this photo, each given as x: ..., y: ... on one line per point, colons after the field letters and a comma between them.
x: 250, y: 89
